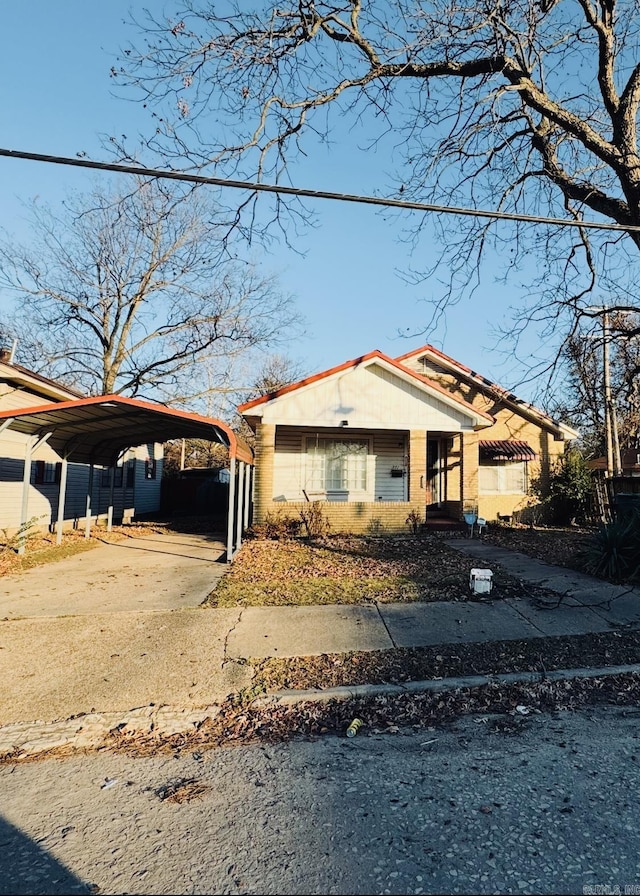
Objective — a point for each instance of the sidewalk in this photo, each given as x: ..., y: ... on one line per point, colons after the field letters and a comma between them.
x: 160, y: 662
x: 584, y: 605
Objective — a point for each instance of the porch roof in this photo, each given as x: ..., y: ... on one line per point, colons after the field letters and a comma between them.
x: 505, y: 449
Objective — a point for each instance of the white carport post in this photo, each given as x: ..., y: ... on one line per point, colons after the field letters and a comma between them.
x: 112, y: 482
x: 62, y: 493
x: 87, y: 513
x: 247, y: 495
x: 31, y: 444
x: 240, y: 514
x: 232, y: 501
x: 26, y: 480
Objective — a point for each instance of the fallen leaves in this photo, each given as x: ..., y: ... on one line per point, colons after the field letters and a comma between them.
x: 400, y: 665
x: 354, y: 569
x: 239, y: 724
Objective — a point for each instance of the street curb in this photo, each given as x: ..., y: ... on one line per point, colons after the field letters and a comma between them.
x: 21, y: 740
x: 363, y: 691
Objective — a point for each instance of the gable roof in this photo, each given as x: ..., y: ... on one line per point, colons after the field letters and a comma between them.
x: 490, y: 388
x: 377, y: 357
x: 28, y: 379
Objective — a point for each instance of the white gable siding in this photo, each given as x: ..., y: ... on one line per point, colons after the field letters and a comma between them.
x: 368, y: 397
x: 12, y: 398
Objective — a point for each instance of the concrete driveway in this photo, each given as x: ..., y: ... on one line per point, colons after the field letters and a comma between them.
x: 158, y: 572
x: 115, y: 629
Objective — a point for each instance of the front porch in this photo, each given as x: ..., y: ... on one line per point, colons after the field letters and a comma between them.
x: 368, y: 482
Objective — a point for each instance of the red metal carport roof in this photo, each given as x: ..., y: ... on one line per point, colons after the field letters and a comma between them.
x: 96, y: 430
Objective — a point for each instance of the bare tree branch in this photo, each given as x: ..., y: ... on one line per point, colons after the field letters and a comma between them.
x: 136, y: 294
x: 528, y: 104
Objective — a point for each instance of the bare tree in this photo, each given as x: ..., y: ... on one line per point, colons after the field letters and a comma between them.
x: 582, y: 398
x: 137, y: 293
x: 528, y: 106
x: 273, y: 372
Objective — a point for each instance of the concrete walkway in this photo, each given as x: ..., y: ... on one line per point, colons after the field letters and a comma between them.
x: 116, y: 637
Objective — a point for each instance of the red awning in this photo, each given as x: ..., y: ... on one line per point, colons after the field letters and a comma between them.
x: 507, y: 449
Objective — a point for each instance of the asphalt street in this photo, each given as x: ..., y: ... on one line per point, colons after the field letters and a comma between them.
x: 478, y: 807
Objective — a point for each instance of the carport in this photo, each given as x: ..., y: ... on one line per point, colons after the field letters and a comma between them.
x: 99, y: 430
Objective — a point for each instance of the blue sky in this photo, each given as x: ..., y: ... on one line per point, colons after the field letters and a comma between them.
x: 58, y: 99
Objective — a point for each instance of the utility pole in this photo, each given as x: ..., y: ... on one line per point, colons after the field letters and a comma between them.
x: 607, y: 391
x: 614, y: 461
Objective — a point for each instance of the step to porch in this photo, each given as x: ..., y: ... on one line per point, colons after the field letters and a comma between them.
x: 444, y: 524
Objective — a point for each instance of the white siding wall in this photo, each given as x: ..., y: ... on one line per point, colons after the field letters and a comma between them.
x: 387, y: 450
x: 289, y: 465
x: 391, y: 450
x: 147, y: 491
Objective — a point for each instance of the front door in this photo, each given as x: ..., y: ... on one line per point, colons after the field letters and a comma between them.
x: 434, y: 484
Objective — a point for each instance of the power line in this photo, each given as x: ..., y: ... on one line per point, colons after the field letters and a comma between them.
x: 185, y: 177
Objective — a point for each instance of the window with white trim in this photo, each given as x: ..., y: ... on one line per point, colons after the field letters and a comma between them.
x: 503, y: 477
x: 337, y: 464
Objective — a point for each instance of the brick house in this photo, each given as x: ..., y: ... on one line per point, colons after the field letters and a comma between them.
x: 378, y: 438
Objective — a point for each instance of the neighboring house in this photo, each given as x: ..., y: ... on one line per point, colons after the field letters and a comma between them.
x: 379, y: 439
x: 136, y: 478
x: 630, y: 462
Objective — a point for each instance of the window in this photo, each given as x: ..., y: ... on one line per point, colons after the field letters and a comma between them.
x: 105, y: 480
x: 503, y: 478
x: 46, y: 473
x: 150, y: 468
x: 337, y: 464
x: 131, y: 473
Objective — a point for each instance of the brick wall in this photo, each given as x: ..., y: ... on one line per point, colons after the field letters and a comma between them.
x: 356, y: 517
x: 263, y: 482
x: 417, y: 467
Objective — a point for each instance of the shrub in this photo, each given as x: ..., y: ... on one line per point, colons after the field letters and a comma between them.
x: 12, y: 543
x: 278, y: 526
x: 614, y: 551
x: 314, y: 521
x: 414, y: 520
x: 375, y: 527
x: 567, y: 493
